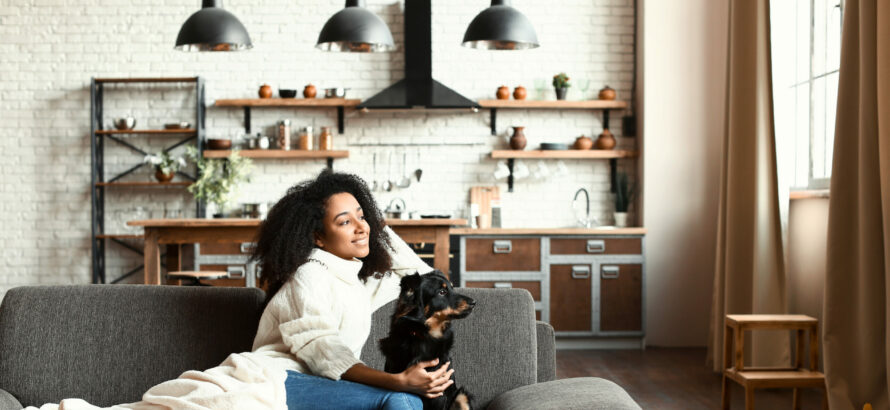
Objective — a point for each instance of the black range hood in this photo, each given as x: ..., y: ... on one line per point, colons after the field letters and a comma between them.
x: 418, y: 89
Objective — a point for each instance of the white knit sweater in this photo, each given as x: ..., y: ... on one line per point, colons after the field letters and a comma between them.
x: 322, y: 316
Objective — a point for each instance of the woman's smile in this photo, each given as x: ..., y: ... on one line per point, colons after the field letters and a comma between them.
x: 346, y: 233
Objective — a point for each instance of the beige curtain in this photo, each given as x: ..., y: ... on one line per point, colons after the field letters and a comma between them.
x: 855, y: 339
x: 749, y: 276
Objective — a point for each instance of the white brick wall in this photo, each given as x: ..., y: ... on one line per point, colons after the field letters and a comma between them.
x: 51, y: 48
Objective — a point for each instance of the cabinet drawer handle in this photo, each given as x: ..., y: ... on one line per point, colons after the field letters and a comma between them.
x: 247, y: 247
x: 503, y: 285
x: 596, y: 246
x: 580, y: 272
x: 504, y: 246
x: 610, y: 272
x: 235, y: 272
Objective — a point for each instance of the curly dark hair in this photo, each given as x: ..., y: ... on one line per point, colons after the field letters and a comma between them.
x: 287, y: 236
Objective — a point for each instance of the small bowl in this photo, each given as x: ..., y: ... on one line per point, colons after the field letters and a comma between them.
x: 176, y: 125
x: 216, y: 143
x: 125, y: 123
x: 338, y: 92
x: 287, y: 93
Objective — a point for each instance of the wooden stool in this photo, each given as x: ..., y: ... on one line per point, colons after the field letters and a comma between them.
x: 752, y: 378
x: 194, y: 277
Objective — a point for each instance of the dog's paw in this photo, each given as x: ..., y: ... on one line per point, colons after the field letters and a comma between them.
x: 461, y: 401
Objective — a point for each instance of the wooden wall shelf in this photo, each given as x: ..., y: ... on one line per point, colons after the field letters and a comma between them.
x: 563, y: 154
x: 164, y: 132
x: 288, y: 102
x: 555, y: 104
x: 247, y: 103
x: 145, y: 184
x: 281, y: 154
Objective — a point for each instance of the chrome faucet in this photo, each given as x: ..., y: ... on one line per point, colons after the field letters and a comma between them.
x: 586, y: 220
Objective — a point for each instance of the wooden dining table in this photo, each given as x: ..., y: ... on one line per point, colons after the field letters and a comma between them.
x: 231, y: 230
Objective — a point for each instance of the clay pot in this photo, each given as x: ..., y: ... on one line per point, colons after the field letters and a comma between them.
x: 503, y: 93
x: 607, y: 93
x: 265, y: 91
x: 605, y: 141
x: 162, y: 177
x: 517, y: 140
x: 519, y: 93
x: 583, y: 142
x: 309, y: 91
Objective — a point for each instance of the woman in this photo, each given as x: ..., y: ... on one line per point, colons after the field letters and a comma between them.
x: 328, y: 262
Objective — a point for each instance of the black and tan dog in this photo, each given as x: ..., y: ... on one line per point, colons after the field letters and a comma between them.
x: 421, y: 331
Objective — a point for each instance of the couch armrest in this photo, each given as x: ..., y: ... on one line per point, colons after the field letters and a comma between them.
x: 578, y: 393
x: 8, y: 402
x: 546, y: 352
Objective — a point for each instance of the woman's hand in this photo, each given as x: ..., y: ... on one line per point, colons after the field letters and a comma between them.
x: 417, y: 380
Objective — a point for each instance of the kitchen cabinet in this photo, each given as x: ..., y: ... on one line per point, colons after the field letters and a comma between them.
x: 588, y: 287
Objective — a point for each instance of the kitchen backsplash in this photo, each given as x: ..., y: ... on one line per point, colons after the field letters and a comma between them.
x: 52, y: 48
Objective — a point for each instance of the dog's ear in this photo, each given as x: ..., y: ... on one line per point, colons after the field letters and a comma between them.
x: 410, y: 285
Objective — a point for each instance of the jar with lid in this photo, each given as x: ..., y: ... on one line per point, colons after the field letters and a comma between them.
x: 326, y: 139
x: 284, y: 135
x: 306, y: 137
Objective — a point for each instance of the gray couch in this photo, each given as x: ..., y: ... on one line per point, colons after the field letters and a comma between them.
x: 108, y: 344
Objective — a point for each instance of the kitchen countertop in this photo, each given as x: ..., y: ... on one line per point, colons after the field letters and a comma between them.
x: 548, y: 231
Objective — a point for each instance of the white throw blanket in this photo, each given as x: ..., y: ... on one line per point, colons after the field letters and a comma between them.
x: 242, y: 381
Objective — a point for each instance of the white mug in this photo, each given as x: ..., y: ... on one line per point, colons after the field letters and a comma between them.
x: 502, y: 171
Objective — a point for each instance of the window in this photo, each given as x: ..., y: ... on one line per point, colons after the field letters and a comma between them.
x: 806, y: 40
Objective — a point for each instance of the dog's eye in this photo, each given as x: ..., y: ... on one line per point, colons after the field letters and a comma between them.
x: 443, y: 292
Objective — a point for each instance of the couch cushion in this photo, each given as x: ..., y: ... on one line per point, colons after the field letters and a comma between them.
x: 495, y: 348
x: 580, y: 393
x: 108, y: 344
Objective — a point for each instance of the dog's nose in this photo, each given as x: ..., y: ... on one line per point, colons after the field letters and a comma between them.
x: 471, y: 302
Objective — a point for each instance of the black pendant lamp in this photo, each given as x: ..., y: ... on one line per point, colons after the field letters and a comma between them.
x: 355, y: 29
x: 501, y: 27
x: 212, y: 29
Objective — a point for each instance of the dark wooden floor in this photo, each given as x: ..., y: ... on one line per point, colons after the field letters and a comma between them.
x: 669, y: 378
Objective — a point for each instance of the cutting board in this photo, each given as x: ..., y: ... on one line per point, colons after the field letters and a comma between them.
x: 482, y: 196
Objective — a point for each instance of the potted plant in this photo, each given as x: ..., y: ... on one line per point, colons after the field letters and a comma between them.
x: 624, y: 195
x: 165, y: 165
x: 218, y: 179
x: 561, y: 84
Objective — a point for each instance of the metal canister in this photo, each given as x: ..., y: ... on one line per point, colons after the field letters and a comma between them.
x: 306, y: 137
x: 284, y: 135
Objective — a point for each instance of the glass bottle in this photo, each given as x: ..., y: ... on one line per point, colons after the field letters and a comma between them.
x: 325, y: 139
x: 306, y: 137
x: 284, y: 135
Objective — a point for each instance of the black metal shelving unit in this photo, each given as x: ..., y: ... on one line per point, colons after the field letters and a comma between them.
x: 98, y: 184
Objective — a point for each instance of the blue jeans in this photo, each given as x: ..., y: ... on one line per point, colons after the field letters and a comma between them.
x: 305, y: 392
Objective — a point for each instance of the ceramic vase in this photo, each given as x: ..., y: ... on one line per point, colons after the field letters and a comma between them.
x: 162, y: 177
x: 605, y: 141
x: 519, y: 93
x: 583, y: 143
x: 309, y: 91
x: 620, y: 219
x: 265, y: 91
x: 607, y: 93
x: 503, y: 93
x: 517, y: 140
